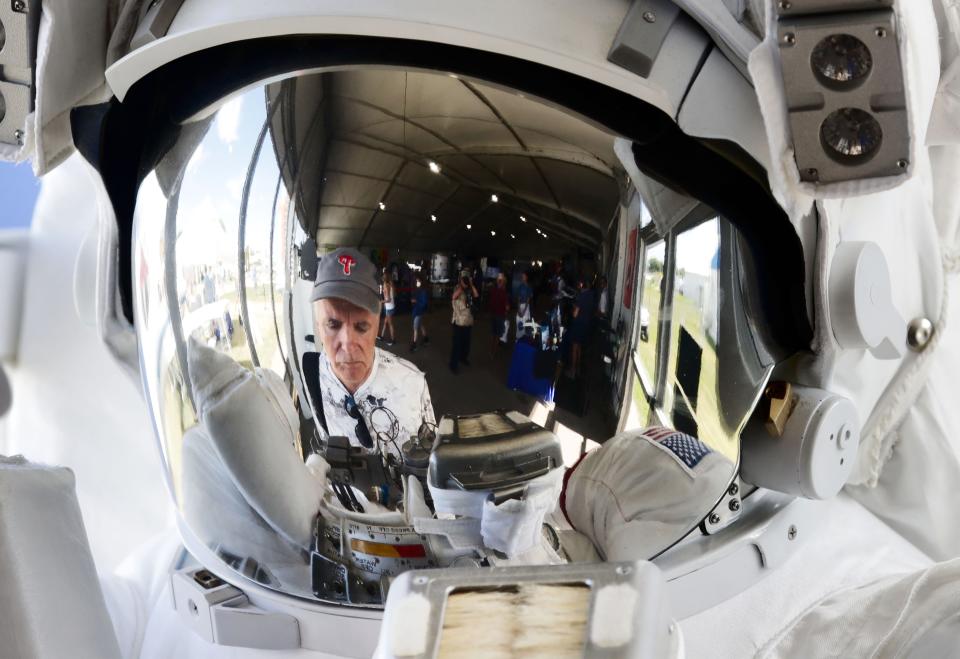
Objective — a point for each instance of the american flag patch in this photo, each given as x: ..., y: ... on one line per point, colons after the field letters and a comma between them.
x: 689, y: 449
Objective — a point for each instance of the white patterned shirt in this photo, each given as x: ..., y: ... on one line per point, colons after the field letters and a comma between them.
x: 394, y: 400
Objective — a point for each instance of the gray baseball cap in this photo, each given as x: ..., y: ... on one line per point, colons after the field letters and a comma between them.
x: 347, y: 274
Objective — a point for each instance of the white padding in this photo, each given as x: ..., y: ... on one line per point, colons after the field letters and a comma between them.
x: 611, y: 624
x: 512, y: 526
x: 51, y: 605
x: 409, y: 625
x: 458, y: 502
x: 515, y: 526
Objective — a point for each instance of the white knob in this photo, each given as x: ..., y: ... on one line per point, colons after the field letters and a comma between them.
x: 861, y: 302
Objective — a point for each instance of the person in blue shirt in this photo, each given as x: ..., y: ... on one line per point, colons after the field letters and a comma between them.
x: 419, y: 299
x: 583, y: 310
x: 524, y: 298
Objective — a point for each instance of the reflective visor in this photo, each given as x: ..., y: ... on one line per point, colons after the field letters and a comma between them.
x: 520, y: 271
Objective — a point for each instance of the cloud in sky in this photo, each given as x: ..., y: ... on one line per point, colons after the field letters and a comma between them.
x: 228, y: 121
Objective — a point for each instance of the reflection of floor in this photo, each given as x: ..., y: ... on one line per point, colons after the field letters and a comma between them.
x: 482, y: 385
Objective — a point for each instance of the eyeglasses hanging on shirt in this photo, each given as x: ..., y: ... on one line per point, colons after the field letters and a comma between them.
x: 363, y: 433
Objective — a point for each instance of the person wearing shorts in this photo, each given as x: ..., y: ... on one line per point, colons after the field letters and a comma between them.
x: 419, y: 299
x: 389, y: 307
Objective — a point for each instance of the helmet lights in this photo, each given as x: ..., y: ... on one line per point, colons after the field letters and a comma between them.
x: 843, y: 84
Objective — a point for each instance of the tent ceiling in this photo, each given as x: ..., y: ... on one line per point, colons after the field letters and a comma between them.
x: 363, y: 137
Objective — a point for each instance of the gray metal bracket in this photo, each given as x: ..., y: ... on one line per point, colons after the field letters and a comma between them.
x: 800, y: 7
x: 156, y: 22
x: 803, y: 24
x: 221, y: 614
x: 641, y: 35
x: 19, y: 21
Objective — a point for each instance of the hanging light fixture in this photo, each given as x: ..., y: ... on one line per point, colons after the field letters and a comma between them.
x: 383, y: 206
x: 433, y: 218
x: 434, y: 167
x: 494, y: 198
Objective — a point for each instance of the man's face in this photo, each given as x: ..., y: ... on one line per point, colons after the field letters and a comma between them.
x: 348, y: 334
x: 501, y: 281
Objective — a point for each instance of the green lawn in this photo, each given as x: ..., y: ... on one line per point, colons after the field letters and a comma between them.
x: 646, y: 350
x: 640, y: 411
x: 712, y: 430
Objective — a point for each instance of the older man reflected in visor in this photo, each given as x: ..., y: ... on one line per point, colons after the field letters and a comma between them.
x: 369, y: 395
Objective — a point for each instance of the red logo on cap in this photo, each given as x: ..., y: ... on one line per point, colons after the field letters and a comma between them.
x: 347, y: 262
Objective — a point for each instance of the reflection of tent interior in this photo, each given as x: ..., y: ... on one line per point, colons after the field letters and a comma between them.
x: 418, y: 169
x: 368, y: 137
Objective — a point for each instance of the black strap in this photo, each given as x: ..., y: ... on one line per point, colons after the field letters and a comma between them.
x: 311, y: 373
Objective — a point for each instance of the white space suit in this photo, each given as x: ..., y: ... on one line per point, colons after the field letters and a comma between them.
x: 876, y: 575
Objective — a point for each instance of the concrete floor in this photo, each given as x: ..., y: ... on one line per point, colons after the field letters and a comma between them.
x: 482, y: 386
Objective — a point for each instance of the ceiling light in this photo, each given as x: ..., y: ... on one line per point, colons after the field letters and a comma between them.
x: 469, y: 226
x: 494, y: 198
x: 434, y: 167
x: 433, y: 218
x: 523, y: 219
x: 493, y: 233
x: 383, y: 206
x: 513, y: 236
x: 543, y: 234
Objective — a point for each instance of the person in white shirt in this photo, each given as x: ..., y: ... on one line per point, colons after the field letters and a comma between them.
x: 603, y: 303
x: 369, y: 395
